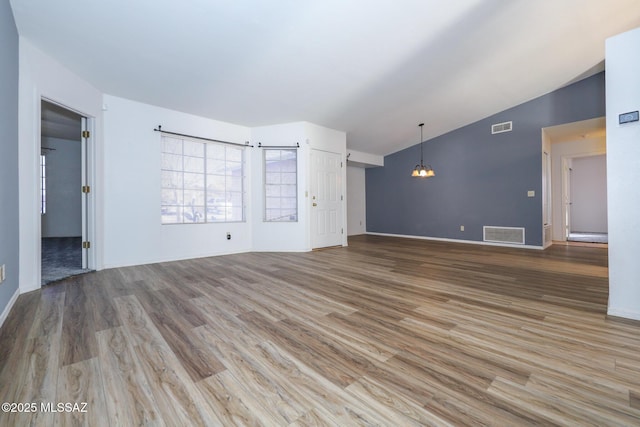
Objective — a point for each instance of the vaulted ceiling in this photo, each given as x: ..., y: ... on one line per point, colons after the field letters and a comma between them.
x: 374, y: 69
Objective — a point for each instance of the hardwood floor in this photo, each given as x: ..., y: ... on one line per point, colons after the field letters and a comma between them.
x: 388, y: 331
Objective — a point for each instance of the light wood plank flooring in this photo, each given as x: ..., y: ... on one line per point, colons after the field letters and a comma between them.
x: 388, y: 331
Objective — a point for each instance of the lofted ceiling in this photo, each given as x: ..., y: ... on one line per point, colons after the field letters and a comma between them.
x: 374, y: 69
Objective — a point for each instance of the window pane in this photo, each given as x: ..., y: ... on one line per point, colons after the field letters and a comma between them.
x: 288, y: 190
x: 235, y: 199
x: 236, y: 214
x: 272, y: 190
x: 172, y: 145
x: 194, y: 214
x: 272, y: 203
x: 193, y: 149
x: 234, y: 183
x: 234, y: 169
x: 171, y: 215
x: 193, y: 198
x: 273, y: 154
x: 288, y: 203
x: 193, y: 164
x: 194, y: 181
x: 289, y: 165
x: 216, y: 151
x: 288, y: 178
x: 171, y: 196
x: 171, y: 179
x: 273, y: 178
x: 234, y: 154
x: 216, y: 183
x: 215, y: 198
x: 171, y: 162
x: 216, y: 166
x: 43, y: 182
x: 273, y: 166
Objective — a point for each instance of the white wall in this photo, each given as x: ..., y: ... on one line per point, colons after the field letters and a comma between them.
x: 623, y: 179
x: 63, y: 217
x: 134, y: 233
x: 356, y: 201
x: 132, y: 188
x: 43, y: 77
x: 358, y: 158
x: 589, y: 194
x: 569, y: 149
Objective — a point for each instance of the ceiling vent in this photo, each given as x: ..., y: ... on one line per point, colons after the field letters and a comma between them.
x: 501, y: 127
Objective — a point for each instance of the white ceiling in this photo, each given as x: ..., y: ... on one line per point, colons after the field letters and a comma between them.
x: 374, y: 68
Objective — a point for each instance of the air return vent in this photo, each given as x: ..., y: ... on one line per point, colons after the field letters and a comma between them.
x: 501, y: 127
x: 511, y: 235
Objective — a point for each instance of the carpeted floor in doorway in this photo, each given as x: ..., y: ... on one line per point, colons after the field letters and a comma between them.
x: 61, y: 258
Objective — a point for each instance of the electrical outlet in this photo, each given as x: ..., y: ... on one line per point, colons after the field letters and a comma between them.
x: 228, y: 236
x: 2, y: 273
x: 531, y: 193
x: 462, y: 228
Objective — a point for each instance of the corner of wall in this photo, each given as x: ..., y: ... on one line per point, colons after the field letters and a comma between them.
x: 8, y: 307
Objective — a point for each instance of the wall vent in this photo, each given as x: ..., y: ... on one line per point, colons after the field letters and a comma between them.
x: 511, y: 235
x: 501, y: 127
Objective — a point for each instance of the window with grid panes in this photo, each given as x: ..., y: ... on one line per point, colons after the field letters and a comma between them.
x: 201, y: 182
x: 280, y: 185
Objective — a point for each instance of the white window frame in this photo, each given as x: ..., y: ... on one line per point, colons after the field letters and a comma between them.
x: 274, y: 182
x: 208, y: 210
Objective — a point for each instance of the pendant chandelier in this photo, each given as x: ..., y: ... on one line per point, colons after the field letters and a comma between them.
x: 422, y: 171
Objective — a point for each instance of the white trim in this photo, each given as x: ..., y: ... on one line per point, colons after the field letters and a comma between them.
x: 442, y: 239
x: 7, y: 309
x: 621, y: 312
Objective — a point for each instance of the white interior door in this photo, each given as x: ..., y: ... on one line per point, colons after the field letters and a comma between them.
x: 326, y: 199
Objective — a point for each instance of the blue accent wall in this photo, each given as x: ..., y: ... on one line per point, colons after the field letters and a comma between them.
x: 8, y: 152
x: 481, y: 179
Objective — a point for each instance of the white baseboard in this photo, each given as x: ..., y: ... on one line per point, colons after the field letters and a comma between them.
x: 7, y: 309
x: 472, y: 242
x: 621, y: 312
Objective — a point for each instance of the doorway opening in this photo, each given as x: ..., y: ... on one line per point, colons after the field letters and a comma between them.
x: 586, y: 219
x: 63, y: 202
x: 578, y: 184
